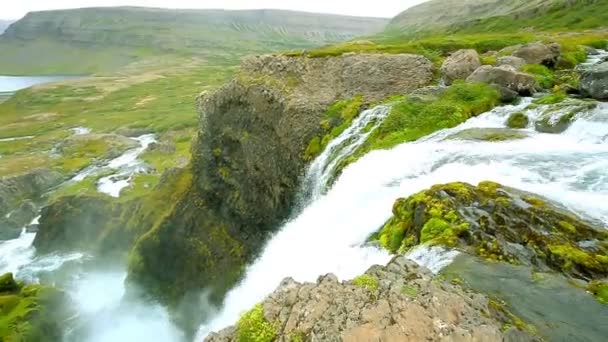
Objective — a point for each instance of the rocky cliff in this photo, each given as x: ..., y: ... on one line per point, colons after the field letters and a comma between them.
x: 248, y: 160
x: 399, y: 302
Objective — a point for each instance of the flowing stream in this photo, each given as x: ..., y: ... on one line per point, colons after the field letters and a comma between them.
x: 328, y: 235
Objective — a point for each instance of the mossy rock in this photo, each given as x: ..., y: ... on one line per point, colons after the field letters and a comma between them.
x: 518, y: 120
x: 31, y: 312
x: 488, y: 134
x: 557, y: 118
x: 500, y: 224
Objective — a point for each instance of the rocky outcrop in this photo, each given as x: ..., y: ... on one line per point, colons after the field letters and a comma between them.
x: 506, y: 77
x: 460, y: 65
x: 31, y: 312
x: 500, y: 223
x: 539, y: 53
x: 594, y: 81
x: 399, y: 302
x: 17, y: 194
x: 247, y: 162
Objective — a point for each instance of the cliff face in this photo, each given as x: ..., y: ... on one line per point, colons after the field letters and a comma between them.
x: 248, y: 160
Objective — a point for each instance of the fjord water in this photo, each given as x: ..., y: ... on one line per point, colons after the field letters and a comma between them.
x: 329, y: 234
x: 10, y: 84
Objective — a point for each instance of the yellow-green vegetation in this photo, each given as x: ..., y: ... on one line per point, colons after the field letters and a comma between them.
x: 367, y: 282
x: 544, y: 76
x: 253, y: 327
x: 600, y: 290
x: 338, y: 118
x: 553, y: 98
x: 29, y: 312
x: 412, y: 119
x: 518, y: 120
x: 573, y: 256
x: 500, y: 310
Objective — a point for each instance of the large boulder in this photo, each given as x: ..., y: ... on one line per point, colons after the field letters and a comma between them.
x: 539, y: 53
x: 557, y: 118
x: 399, y: 302
x: 505, y: 76
x: 501, y: 224
x: 459, y: 65
x: 594, y: 81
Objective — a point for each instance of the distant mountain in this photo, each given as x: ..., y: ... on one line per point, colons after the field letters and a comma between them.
x: 129, y: 33
x: 4, y: 25
x: 502, y: 15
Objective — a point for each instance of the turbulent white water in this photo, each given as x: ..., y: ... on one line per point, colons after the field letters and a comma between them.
x: 327, y: 236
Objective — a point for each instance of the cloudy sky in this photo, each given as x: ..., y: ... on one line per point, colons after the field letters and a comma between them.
x: 15, y: 9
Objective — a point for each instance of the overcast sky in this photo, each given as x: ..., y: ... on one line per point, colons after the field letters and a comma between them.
x: 15, y: 9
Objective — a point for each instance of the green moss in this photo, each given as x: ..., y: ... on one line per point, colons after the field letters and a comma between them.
x: 488, y: 60
x: 599, y: 290
x: 518, y: 120
x: 409, y: 291
x: 366, y: 281
x: 567, y: 227
x: 553, y: 98
x: 574, y: 256
x: 544, y: 76
x: 253, y: 327
x: 297, y: 336
x: 336, y: 120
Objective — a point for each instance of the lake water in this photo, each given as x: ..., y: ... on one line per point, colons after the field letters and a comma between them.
x: 9, y: 84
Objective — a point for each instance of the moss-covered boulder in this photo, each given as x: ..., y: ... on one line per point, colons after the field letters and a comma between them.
x: 31, y: 313
x: 499, y: 223
x: 557, y: 117
x: 518, y: 120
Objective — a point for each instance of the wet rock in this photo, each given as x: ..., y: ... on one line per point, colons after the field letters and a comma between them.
x: 459, y: 65
x: 488, y: 134
x: 556, y: 118
x: 506, y: 95
x: 399, y: 302
x: 539, y: 53
x: 518, y: 120
x: 513, y: 61
x: 594, y: 81
x: 505, y: 76
x: 502, y: 224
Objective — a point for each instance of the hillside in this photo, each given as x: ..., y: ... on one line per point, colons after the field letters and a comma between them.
x: 4, y: 25
x: 98, y: 39
x: 500, y: 16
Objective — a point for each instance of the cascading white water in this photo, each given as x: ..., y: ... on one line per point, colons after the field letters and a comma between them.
x: 328, y: 235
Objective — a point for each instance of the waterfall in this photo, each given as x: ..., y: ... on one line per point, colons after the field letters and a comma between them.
x: 328, y: 235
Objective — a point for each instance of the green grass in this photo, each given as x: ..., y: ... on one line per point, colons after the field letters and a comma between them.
x: 144, y: 100
x: 544, y: 76
x: 253, y: 327
x: 367, y: 282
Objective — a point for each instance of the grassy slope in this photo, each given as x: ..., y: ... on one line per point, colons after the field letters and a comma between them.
x: 91, y: 40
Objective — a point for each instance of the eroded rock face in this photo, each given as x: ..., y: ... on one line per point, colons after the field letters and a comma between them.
x: 505, y: 76
x: 248, y: 159
x: 459, y: 65
x: 539, y: 53
x: 594, y: 82
x: 399, y: 302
